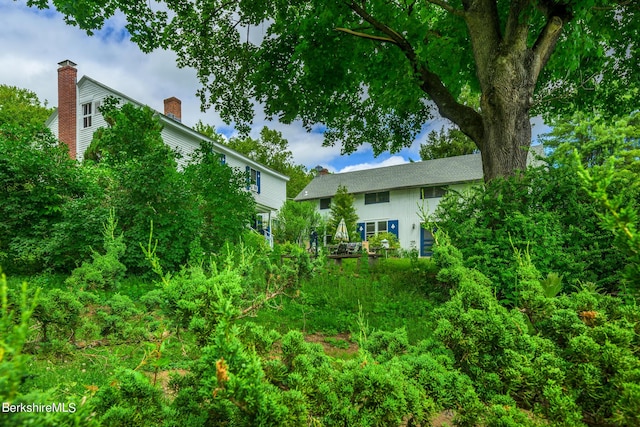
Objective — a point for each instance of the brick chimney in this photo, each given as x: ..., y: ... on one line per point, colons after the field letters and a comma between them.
x: 173, y: 108
x: 67, y: 105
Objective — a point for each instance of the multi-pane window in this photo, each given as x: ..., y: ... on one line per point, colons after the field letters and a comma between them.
x: 253, y: 179
x: 86, y: 115
x: 381, y: 197
x: 432, y: 192
x: 374, y: 227
x: 325, y: 203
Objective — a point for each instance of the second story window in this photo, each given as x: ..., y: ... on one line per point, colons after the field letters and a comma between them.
x: 86, y: 114
x: 253, y: 180
x: 381, y: 197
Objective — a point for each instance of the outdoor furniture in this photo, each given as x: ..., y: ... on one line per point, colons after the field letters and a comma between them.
x: 351, y: 250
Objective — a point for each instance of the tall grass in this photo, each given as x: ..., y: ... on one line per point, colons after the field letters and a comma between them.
x: 390, y: 294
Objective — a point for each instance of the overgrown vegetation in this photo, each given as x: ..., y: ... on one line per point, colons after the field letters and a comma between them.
x: 525, y: 316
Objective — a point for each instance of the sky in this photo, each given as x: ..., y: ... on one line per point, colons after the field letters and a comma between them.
x: 33, y: 42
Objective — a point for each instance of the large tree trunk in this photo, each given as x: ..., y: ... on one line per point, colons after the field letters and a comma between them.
x: 505, y: 119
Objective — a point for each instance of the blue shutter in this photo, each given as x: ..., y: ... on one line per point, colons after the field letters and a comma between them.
x: 248, y: 172
x: 360, y: 229
x: 223, y: 159
x: 258, y: 180
x: 392, y: 227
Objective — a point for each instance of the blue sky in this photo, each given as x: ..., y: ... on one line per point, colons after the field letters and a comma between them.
x: 33, y: 42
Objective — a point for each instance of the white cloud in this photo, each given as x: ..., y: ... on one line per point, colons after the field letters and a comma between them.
x: 391, y: 161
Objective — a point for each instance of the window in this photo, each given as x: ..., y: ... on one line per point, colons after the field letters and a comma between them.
x: 381, y: 197
x: 86, y: 115
x: 253, y: 180
x: 325, y: 203
x: 432, y: 192
x: 375, y: 227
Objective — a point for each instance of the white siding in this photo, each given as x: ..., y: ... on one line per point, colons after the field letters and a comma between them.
x: 180, y: 141
x: 404, y: 205
x: 184, y: 140
x: 88, y: 91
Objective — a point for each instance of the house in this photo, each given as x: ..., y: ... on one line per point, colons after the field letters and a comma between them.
x: 77, y: 118
x: 395, y: 199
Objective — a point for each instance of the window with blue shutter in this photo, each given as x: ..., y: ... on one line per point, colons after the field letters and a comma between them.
x: 253, y: 179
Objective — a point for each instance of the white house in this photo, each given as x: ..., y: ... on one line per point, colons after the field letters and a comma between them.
x: 394, y: 198
x: 77, y: 118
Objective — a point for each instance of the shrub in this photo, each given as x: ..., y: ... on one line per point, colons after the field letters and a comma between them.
x: 106, y: 270
x: 543, y: 211
x: 129, y: 400
x: 60, y: 311
x: 13, y: 334
x: 37, y: 178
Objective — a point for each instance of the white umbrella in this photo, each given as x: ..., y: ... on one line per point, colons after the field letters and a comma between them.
x: 341, y: 231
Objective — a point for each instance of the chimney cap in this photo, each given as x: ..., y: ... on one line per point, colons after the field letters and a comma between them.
x: 67, y: 63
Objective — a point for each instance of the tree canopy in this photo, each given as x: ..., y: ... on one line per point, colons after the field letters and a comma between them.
x: 376, y: 71
x: 21, y: 107
x: 449, y: 143
x: 271, y: 149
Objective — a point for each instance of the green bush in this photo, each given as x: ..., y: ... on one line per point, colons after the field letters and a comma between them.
x: 59, y: 311
x: 129, y: 400
x: 37, y: 178
x: 105, y: 271
x: 543, y: 211
x: 570, y: 358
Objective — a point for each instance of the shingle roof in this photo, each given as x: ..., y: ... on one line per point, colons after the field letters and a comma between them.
x: 450, y: 170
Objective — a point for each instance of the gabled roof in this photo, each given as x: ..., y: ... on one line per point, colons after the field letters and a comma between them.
x: 168, y: 121
x: 447, y: 171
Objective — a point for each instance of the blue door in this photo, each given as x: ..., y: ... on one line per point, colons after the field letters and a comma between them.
x: 426, y: 241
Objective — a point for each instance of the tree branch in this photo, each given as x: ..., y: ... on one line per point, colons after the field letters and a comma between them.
x: 468, y: 119
x: 515, y: 32
x: 365, y: 35
x: 481, y: 17
x: 545, y: 44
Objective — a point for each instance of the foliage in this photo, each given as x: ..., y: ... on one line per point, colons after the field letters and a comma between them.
x: 145, y: 184
x: 224, y: 207
x: 118, y: 319
x: 446, y: 144
x: 376, y: 241
x: 608, y: 173
x: 342, y: 207
x: 37, y: 180
x: 105, y: 270
x: 542, y: 211
x: 271, y: 150
x: 59, y: 310
x: 371, y: 69
x: 129, y: 400
x: 569, y: 358
x: 21, y: 107
x: 12, y: 339
x: 295, y: 221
